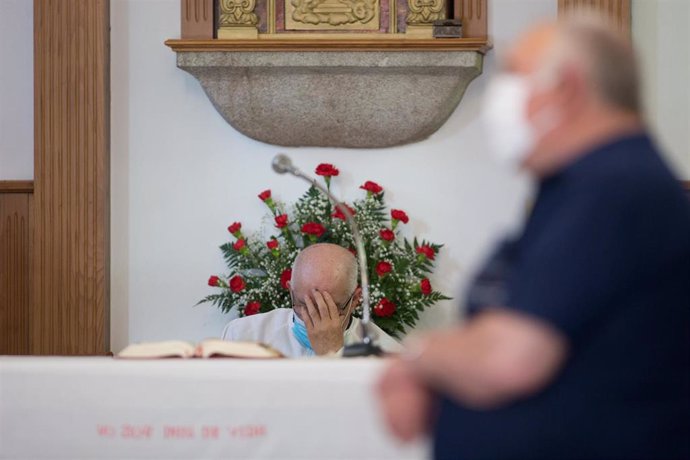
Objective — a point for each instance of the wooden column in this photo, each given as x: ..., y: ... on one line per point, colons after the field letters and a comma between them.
x: 196, y: 19
x: 474, y: 16
x: 15, y: 250
x: 616, y: 12
x: 70, y: 276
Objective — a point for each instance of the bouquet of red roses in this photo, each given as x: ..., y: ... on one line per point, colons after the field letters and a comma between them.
x: 259, y: 269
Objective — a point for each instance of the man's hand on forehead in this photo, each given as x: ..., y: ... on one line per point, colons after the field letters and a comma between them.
x: 324, y: 324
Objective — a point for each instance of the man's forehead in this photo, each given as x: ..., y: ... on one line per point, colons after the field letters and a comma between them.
x: 529, y: 50
x: 305, y: 287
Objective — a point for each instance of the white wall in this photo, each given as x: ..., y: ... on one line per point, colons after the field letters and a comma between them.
x: 181, y: 175
x: 662, y: 37
x: 16, y: 90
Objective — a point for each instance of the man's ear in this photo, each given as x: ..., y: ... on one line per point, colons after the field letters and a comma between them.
x: 357, y: 297
x: 356, y: 300
x: 288, y: 283
x: 573, y: 91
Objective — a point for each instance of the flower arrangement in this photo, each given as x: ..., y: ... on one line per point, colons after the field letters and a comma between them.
x: 398, y: 269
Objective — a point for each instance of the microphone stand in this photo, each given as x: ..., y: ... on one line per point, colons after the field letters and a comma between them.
x: 282, y: 164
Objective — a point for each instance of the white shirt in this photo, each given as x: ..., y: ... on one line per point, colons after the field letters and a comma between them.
x: 275, y: 329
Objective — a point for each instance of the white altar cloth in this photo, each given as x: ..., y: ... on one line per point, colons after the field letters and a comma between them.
x: 105, y: 408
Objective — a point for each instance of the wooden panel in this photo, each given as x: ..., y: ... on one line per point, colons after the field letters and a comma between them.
x: 70, y: 279
x: 196, y: 19
x: 474, y: 17
x: 15, y: 241
x: 616, y: 12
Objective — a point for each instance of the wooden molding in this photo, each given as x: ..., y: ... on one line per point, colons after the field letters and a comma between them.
x: 196, y: 19
x: 615, y: 12
x: 304, y: 44
x: 15, y: 256
x: 16, y: 186
x: 70, y: 253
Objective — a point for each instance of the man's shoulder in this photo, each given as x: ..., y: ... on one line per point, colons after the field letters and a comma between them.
x: 627, y: 165
x: 251, y: 327
x: 626, y: 176
x: 278, y: 315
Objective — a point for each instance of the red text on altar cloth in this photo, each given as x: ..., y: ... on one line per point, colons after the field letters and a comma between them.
x: 171, y: 432
x: 247, y: 431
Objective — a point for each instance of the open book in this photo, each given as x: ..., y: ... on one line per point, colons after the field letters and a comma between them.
x: 206, y: 349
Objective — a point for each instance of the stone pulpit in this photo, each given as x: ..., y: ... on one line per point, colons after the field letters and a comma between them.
x: 336, y: 73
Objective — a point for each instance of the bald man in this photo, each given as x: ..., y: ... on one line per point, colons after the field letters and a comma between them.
x: 324, y: 294
x: 577, y: 343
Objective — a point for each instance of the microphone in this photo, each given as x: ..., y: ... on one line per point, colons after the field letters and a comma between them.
x: 283, y: 164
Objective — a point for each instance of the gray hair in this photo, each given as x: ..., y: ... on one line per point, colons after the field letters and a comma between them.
x: 608, y: 58
x: 352, y: 268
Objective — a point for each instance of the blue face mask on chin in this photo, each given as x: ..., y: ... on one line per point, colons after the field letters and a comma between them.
x: 299, y: 330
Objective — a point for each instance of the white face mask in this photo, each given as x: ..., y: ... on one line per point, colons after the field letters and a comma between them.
x: 509, y: 134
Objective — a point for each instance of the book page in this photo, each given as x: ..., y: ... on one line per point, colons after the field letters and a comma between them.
x: 253, y: 350
x: 166, y: 349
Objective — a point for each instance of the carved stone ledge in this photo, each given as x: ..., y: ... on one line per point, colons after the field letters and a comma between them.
x: 334, y: 98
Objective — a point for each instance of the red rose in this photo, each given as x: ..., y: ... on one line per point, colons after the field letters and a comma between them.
x: 272, y: 244
x: 386, y: 234
x: 285, y: 277
x: 214, y: 281
x: 338, y: 214
x: 425, y: 286
x: 371, y: 187
x: 426, y: 250
x: 397, y: 214
x: 252, y: 308
x: 238, y: 245
x: 327, y: 170
x: 312, y: 228
x: 383, y: 267
x: 265, y: 195
x: 281, y: 221
x: 237, y: 284
x: 385, y: 308
x: 235, y: 227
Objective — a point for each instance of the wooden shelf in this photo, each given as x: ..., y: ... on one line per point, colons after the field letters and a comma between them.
x: 16, y: 186
x: 384, y: 43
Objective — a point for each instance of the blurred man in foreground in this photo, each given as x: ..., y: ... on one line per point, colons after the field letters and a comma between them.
x: 324, y: 295
x: 578, y: 341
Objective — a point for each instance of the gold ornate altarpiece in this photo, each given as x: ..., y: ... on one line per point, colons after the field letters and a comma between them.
x: 370, y: 19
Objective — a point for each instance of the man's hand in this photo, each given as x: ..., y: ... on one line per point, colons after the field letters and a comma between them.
x: 406, y: 404
x: 323, y: 323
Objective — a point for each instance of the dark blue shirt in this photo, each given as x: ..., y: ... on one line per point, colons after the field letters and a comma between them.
x: 605, y: 259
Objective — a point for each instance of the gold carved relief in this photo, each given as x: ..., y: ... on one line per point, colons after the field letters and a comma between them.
x: 235, y: 13
x: 332, y: 14
x: 425, y: 11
